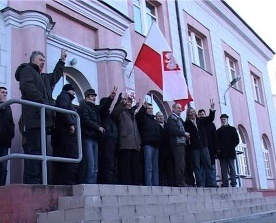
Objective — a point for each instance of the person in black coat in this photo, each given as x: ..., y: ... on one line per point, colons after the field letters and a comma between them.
x: 92, y: 130
x: 198, y: 145
x: 37, y: 87
x: 150, y: 136
x: 228, y: 140
x: 66, y: 134
x: 6, y: 133
x: 108, y: 146
x: 213, y: 144
x: 166, y: 161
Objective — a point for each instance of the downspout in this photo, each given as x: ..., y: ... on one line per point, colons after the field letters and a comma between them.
x: 181, y: 43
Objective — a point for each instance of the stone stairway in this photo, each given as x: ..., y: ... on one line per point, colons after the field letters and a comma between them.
x: 141, y: 204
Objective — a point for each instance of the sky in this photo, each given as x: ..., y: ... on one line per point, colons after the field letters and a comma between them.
x: 260, y: 15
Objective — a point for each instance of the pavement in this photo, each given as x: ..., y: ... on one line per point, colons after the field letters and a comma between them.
x: 270, y: 219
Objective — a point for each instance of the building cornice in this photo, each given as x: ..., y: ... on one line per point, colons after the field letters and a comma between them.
x: 99, y: 13
x: 239, y: 26
x: 97, y: 55
x: 23, y: 19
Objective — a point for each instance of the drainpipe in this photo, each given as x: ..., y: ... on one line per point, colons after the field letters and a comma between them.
x: 181, y: 43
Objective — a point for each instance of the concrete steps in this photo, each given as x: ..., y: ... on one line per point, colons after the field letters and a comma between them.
x: 140, y: 204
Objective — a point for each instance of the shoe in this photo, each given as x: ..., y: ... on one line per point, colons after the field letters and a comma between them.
x: 224, y: 185
x: 213, y: 186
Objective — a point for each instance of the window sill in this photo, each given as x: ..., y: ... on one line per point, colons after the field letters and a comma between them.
x: 202, y: 68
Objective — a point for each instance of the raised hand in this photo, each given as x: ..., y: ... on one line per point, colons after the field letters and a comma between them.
x: 212, y: 104
x: 114, y: 91
x: 63, y: 54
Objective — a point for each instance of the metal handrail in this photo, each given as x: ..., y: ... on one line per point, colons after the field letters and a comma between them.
x: 43, y: 155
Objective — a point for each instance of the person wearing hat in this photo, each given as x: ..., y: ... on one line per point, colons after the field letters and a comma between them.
x: 66, y: 143
x: 129, y: 164
x: 228, y: 140
x: 92, y: 129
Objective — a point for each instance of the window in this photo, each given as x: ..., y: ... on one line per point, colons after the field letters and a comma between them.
x: 197, y: 50
x: 242, y: 156
x: 266, y: 155
x: 144, y: 15
x: 257, y: 88
x: 233, y: 71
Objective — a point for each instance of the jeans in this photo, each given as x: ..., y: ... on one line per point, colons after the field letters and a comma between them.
x: 201, y: 161
x: 228, y: 166
x: 90, y: 149
x: 151, y: 165
x: 213, y: 175
x: 3, y: 166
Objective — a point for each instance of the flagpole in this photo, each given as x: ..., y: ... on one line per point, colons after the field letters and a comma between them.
x: 128, y: 76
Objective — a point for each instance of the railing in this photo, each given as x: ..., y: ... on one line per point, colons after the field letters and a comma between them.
x: 43, y: 155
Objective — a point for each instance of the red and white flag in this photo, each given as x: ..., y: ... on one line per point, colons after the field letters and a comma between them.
x: 157, y: 61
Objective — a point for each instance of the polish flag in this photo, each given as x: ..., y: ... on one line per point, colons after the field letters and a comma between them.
x: 157, y: 61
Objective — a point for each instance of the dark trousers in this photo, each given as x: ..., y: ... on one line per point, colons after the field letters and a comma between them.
x: 65, y: 173
x: 166, y: 170
x: 228, y: 167
x: 129, y: 167
x: 108, y: 152
x: 3, y: 166
x: 179, y: 162
x: 201, y: 161
x: 190, y: 179
x: 32, y: 168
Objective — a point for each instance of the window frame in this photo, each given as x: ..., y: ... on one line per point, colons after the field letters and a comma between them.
x: 144, y: 13
x: 266, y: 157
x: 257, y: 88
x: 230, y: 70
x: 194, y: 49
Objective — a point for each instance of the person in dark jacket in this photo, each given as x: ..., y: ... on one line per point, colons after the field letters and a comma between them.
x: 66, y: 144
x: 92, y: 129
x: 6, y: 133
x: 166, y: 161
x: 228, y: 140
x: 213, y: 144
x: 178, y: 137
x: 37, y: 87
x: 108, y: 146
x: 198, y: 145
x: 150, y: 136
x: 129, y: 163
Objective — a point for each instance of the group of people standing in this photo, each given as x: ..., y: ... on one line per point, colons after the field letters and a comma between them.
x: 127, y: 145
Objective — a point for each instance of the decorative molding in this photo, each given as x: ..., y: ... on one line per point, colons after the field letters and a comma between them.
x: 99, y: 13
x: 96, y: 55
x: 22, y: 19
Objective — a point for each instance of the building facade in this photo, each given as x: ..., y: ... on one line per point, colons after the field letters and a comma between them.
x: 213, y: 45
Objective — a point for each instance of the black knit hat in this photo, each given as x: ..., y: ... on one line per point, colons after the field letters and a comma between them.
x: 224, y: 116
x: 90, y: 92
x: 68, y: 87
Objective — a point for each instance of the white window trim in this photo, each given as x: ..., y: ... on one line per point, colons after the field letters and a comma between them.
x: 258, y: 96
x: 228, y: 59
x: 144, y: 13
x: 267, y: 162
x: 194, y: 53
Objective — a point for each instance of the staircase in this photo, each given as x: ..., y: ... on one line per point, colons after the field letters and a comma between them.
x: 141, y: 204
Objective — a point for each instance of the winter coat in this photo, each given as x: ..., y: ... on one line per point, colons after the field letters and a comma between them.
x: 129, y: 137
x: 37, y: 87
x: 176, y: 131
x: 198, y: 137
x: 228, y: 140
x: 63, y: 121
x: 212, y: 140
x: 148, y: 128
x: 90, y: 116
x: 6, y: 127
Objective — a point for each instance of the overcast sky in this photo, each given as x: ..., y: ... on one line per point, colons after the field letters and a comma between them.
x: 260, y: 15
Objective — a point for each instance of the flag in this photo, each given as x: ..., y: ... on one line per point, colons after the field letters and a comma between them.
x: 184, y: 102
x: 157, y: 61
